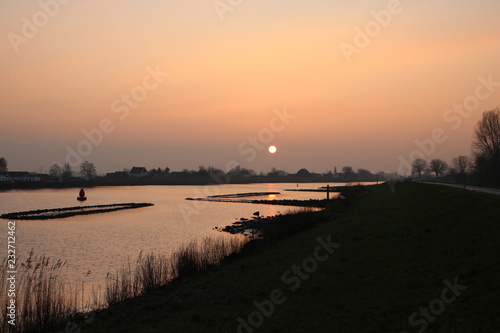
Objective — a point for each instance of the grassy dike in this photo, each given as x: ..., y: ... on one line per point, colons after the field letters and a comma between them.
x: 404, y: 256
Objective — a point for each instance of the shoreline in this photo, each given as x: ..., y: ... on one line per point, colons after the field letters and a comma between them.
x: 169, y: 181
x: 393, y: 258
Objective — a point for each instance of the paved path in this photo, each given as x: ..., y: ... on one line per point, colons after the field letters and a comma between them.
x: 468, y: 187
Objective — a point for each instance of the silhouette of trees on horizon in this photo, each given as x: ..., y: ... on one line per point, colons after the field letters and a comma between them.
x: 483, y: 166
x: 486, y: 146
x: 438, y: 166
x: 3, y: 165
x: 88, y: 169
x: 419, y: 166
x: 461, y: 167
x: 67, y: 171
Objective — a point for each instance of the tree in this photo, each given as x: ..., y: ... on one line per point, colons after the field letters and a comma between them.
x: 486, y: 146
x: 55, y: 171
x: 348, y: 173
x: 277, y: 173
x: 88, y: 170
x: 438, y: 166
x: 215, y: 173
x: 67, y: 170
x: 460, y: 168
x: 347, y: 170
x: 3, y: 165
x: 364, y: 175
x: 418, y: 166
x: 236, y: 171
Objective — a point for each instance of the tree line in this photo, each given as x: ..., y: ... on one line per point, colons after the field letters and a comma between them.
x: 482, y: 166
x: 64, y: 171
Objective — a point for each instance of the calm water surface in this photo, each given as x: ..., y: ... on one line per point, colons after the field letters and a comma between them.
x: 102, y: 243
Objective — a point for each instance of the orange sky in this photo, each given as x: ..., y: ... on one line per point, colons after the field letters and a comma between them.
x: 225, y: 78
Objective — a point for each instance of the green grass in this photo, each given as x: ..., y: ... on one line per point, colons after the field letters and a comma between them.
x: 396, y: 251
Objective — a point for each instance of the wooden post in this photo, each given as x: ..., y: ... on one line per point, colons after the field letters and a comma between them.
x: 327, y: 192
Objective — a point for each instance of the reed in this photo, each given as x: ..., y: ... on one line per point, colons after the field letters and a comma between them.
x: 43, y: 300
x: 153, y: 271
x: 197, y: 256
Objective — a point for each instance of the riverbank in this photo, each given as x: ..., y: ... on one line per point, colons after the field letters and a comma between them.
x: 163, y: 181
x: 392, y: 255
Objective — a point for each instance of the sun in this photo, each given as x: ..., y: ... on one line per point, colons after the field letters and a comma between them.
x: 273, y: 149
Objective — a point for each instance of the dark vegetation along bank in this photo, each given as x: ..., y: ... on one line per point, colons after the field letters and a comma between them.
x: 422, y: 258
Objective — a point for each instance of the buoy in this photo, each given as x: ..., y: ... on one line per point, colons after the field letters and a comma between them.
x: 81, y: 196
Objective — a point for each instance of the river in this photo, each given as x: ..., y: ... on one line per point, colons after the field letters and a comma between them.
x: 94, y: 245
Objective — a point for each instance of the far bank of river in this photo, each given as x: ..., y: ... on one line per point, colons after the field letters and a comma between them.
x: 186, y: 181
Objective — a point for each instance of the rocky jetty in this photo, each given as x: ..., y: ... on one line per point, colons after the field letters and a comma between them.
x: 57, y: 213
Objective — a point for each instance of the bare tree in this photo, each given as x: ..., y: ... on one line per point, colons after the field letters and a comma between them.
x: 364, y: 175
x: 347, y: 169
x: 460, y: 168
x: 55, y: 171
x: 67, y: 170
x: 418, y: 166
x: 486, y: 146
x: 348, y: 172
x: 277, y: 173
x: 438, y: 166
x: 87, y: 169
x: 3, y: 165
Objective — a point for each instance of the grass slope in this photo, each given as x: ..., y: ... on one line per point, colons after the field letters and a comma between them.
x: 397, y: 249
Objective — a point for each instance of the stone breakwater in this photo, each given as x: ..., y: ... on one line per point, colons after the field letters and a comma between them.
x: 56, y: 213
x: 298, y: 203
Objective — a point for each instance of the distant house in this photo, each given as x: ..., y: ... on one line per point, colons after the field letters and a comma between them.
x: 14, y: 174
x: 43, y: 177
x: 5, y: 178
x: 23, y: 176
x: 337, y: 175
x: 138, y: 172
x: 304, y: 173
x: 118, y: 174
